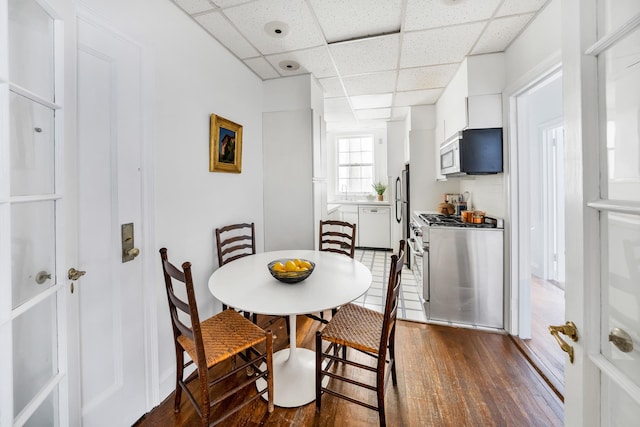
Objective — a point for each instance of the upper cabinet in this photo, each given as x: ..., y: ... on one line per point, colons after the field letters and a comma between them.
x: 472, y: 100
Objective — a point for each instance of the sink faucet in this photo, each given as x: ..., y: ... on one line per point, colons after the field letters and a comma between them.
x: 345, y: 190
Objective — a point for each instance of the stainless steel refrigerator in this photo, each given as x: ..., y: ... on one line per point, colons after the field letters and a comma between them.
x: 403, y: 213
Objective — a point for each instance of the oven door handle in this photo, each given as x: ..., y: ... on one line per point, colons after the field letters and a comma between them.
x: 417, y: 250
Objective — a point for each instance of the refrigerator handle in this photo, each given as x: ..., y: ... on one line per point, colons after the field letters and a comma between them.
x: 398, y: 199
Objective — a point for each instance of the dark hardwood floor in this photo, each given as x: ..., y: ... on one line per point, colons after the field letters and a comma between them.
x: 547, y: 308
x: 446, y: 377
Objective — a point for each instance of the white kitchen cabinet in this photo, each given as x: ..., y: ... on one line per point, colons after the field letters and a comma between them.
x: 472, y: 100
x: 349, y: 213
x: 374, y: 226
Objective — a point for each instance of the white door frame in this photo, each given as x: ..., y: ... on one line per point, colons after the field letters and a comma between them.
x: 517, y: 319
x: 147, y: 246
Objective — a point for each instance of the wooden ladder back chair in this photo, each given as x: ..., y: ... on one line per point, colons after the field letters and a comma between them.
x: 236, y: 241
x: 220, y: 338
x: 367, y: 332
x: 338, y: 236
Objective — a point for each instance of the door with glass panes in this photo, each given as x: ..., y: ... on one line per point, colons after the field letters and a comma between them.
x: 31, y: 271
x: 601, y: 69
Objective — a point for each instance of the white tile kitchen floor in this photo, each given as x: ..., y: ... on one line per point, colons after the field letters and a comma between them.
x: 378, y: 262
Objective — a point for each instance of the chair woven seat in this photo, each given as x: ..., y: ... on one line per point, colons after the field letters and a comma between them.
x: 224, y: 335
x: 365, y: 331
x: 355, y: 326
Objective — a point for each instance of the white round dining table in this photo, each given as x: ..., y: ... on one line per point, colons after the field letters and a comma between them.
x: 246, y: 284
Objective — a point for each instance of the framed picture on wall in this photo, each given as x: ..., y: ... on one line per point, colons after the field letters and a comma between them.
x: 225, y: 145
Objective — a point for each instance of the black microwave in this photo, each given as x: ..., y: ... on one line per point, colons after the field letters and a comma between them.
x: 472, y: 152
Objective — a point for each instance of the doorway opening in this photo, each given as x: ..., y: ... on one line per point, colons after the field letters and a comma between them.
x: 541, y: 225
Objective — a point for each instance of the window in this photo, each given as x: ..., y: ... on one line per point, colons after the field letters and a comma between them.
x: 355, y: 164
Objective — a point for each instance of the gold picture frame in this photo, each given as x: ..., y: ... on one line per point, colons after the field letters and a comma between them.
x: 225, y: 145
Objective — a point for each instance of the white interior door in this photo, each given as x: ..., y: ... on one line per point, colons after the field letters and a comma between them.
x: 33, y: 374
x: 602, y: 112
x: 111, y: 309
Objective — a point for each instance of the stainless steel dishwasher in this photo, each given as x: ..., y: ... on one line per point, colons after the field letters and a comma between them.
x: 465, y: 278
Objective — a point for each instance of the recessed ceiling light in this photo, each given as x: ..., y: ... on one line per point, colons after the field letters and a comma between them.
x: 276, y: 29
x: 289, y: 65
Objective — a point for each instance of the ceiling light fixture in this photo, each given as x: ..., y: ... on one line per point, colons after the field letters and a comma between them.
x: 276, y: 29
x: 289, y: 65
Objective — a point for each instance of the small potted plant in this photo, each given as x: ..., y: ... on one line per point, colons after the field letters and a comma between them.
x: 380, y: 189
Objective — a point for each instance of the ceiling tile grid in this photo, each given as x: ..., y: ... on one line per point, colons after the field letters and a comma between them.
x: 500, y: 32
x: 435, y: 76
x: 405, y: 50
x: 439, y: 46
x: 362, y: 84
x: 366, y: 56
x: 424, y: 14
x: 218, y: 26
x: 262, y: 68
x: 315, y: 61
x: 300, y: 30
x: 513, y: 7
x: 195, y: 6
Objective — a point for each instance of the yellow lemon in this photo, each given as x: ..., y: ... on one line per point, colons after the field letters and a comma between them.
x: 278, y: 266
x: 290, y: 266
x: 305, y: 264
x: 297, y: 262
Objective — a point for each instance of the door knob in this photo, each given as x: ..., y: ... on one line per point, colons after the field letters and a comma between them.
x: 74, y: 274
x: 621, y: 339
x: 42, y: 277
x: 133, y: 252
x: 569, y: 329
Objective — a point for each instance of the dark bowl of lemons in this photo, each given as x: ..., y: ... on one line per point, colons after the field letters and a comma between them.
x: 291, y: 270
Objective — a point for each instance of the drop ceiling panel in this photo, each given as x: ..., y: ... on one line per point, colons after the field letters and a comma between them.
x: 366, y: 56
x: 500, y: 33
x: 344, y: 20
x: 218, y: 26
x: 417, y: 97
x: 195, y: 6
x: 337, y: 104
x: 362, y: 102
x: 512, y: 7
x: 331, y: 87
x: 261, y: 67
x: 315, y: 60
x: 439, y: 46
x: 229, y: 3
x: 363, y: 84
x: 422, y: 14
x: 300, y: 32
x: 426, y: 77
x: 377, y: 113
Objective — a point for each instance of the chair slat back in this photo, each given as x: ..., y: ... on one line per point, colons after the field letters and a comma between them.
x: 189, y: 307
x: 392, y: 298
x: 338, y: 237
x: 235, y: 241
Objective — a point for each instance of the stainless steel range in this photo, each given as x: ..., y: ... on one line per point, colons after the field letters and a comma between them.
x: 460, y: 266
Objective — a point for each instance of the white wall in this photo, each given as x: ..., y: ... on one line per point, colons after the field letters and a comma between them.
x: 191, y: 76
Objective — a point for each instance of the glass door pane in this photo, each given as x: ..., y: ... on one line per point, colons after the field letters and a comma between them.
x: 33, y: 249
x: 32, y: 139
x: 31, y: 48
x: 35, y: 349
x: 622, y: 97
